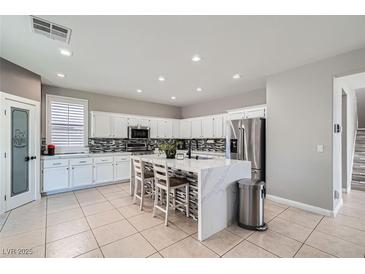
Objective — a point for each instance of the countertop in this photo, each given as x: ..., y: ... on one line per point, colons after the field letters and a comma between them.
x: 201, y: 152
x: 193, y: 165
x: 83, y: 155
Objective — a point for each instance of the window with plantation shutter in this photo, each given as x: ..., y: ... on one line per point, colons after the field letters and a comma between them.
x: 67, y: 120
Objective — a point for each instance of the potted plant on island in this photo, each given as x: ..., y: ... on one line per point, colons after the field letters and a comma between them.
x: 169, y: 149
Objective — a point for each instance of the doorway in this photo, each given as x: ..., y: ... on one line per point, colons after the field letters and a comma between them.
x: 20, y: 145
x: 344, y: 142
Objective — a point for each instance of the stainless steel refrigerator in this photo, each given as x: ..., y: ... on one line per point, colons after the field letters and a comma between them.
x: 247, y: 142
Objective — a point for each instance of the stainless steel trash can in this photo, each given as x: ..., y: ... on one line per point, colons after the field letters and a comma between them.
x: 251, y: 204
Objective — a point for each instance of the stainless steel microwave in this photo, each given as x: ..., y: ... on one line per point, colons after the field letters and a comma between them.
x: 138, y: 132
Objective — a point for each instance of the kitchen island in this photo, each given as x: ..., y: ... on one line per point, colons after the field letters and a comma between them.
x: 216, y: 188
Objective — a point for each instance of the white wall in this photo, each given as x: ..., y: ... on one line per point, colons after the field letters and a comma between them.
x: 300, y: 110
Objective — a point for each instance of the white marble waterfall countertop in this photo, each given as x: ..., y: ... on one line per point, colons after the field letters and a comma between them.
x: 192, y: 165
x: 217, y: 188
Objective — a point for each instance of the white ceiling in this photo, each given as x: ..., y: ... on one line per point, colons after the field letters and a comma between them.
x: 118, y: 54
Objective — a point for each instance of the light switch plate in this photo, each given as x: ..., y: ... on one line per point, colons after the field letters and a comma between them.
x: 320, y: 148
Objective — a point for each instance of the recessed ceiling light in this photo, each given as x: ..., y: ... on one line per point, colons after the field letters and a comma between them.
x: 236, y: 76
x: 196, y: 58
x: 139, y: 90
x: 161, y: 78
x: 173, y: 98
x: 61, y: 75
x: 199, y: 89
x: 65, y: 52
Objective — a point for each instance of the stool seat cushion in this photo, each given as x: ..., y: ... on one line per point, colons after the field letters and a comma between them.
x: 175, y: 181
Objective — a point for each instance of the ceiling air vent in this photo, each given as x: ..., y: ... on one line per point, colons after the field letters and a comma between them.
x: 51, y: 30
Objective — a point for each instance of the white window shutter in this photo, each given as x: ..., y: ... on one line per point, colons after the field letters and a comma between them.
x: 67, y: 123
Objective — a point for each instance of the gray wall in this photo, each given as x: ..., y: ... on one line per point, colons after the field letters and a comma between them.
x: 300, y: 115
x: 19, y: 81
x: 251, y: 98
x: 360, y: 94
x: 100, y: 102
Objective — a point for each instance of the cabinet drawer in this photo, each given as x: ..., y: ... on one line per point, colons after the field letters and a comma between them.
x: 122, y: 158
x: 81, y: 161
x: 55, y: 163
x: 103, y: 160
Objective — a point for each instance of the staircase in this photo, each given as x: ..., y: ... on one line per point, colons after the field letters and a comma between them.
x: 358, y: 170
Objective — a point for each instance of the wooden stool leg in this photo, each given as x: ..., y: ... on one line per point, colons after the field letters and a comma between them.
x: 142, y: 196
x: 174, y: 198
x: 167, y: 206
x: 187, y: 200
x: 135, y: 191
x: 155, y: 202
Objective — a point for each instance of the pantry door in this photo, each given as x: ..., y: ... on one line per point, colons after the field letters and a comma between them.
x: 21, y: 155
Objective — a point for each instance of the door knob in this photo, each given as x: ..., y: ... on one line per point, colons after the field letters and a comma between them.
x: 27, y: 158
x: 33, y: 157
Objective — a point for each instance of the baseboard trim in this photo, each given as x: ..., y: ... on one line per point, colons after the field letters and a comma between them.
x: 314, y: 209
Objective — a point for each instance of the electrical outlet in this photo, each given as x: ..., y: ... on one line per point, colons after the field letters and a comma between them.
x: 320, y: 148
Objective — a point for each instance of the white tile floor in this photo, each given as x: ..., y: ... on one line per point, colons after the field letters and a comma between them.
x: 103, y: 222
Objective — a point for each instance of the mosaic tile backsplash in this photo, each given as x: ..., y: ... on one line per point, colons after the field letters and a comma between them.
x: 117, y: 145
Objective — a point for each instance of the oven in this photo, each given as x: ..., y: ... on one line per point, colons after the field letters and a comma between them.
x: 138, y: 132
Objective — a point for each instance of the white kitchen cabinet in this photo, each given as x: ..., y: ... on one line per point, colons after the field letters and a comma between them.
x: 133, y: 122
x: 218, y: 126
x: 185, y: 129
x: 207, y: 127
x: 175, y: 129
x: 101, y: 125
x: 168, y: 129
x: 255, y: 113
x: 153, y: 129
x: 161, y: 128
x: 81, y: 175
x: 119, y: 127
x: 144, y: 122
x: 103, y: 173
x: 122, y: 170
x: 55, y: 178
x: 196, y: 128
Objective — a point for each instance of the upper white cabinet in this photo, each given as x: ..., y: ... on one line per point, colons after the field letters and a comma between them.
x: 218, y: 126
x: 101, y: 125
x: 247, y: 113
x: 175, y: 129
x: 153, y: 129
x: 185, y: 129
x: 168, y: 129
x: 112, y: 125
x: 161, y: 128
x: 119, y: 127
x: 255, y: 113
x: 196, y: 128
x: 207, y: 125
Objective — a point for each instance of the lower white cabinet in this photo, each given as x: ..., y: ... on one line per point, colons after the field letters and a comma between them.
x: 81, y: 175
x: 55, y: 178
x: 103, y: 173
x: 122, y: 170
x: 72, y: 173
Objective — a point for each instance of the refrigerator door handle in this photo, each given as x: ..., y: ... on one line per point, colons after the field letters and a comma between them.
x: 240, y: 144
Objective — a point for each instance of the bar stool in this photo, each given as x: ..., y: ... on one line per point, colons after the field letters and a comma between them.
x: 141, y: 176
x: 163, y: 182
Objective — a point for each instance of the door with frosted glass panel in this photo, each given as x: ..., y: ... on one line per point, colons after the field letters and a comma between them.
x: 21, y: 154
